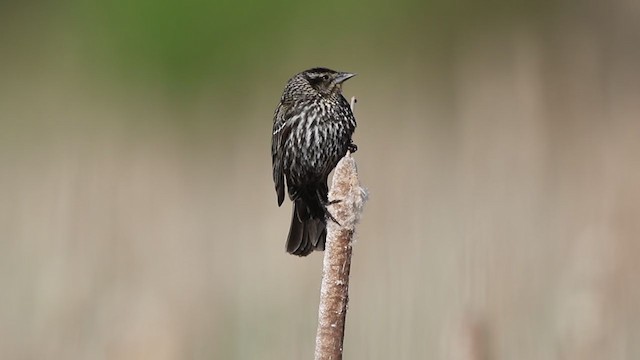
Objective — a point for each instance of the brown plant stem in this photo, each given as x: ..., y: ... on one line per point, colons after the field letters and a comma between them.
x: 334, y: 291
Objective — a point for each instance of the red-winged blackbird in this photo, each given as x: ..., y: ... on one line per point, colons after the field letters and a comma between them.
x: 312, y: 128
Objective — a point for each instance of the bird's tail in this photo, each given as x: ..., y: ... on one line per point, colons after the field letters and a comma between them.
x: 308, y: 229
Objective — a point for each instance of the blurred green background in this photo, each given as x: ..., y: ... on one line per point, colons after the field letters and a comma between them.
x: 499, y: 140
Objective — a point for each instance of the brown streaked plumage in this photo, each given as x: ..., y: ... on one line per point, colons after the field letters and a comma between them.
x: 312, y: 129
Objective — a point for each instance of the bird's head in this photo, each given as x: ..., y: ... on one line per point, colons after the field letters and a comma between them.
x: 326, y: 81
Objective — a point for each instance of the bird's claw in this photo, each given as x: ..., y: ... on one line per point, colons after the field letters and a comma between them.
x: 330, y: 217
x: 328, y: 214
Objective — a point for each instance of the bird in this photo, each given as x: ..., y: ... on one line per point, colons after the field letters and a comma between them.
x: 313, y: 126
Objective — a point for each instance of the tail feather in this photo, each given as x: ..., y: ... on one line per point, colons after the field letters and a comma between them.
x: 308, y: 230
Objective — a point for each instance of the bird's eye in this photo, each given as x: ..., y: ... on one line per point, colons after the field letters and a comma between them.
x: 325, y: 77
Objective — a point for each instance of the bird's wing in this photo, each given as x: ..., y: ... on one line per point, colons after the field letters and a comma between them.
x: 282, y: 125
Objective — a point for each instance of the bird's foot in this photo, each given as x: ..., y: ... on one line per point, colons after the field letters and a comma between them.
x: 328, y: 214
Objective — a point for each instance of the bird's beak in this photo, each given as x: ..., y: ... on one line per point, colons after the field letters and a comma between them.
x: 344, y: 76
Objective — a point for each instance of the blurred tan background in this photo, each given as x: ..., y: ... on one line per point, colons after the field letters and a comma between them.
x: 500, y: 142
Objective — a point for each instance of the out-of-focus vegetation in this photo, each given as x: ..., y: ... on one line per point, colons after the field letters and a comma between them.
x: 498, y: 140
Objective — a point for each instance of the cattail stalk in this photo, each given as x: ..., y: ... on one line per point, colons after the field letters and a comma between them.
x: 349, y: 199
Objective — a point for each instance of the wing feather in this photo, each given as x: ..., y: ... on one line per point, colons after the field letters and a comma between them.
x: 282, y: 125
